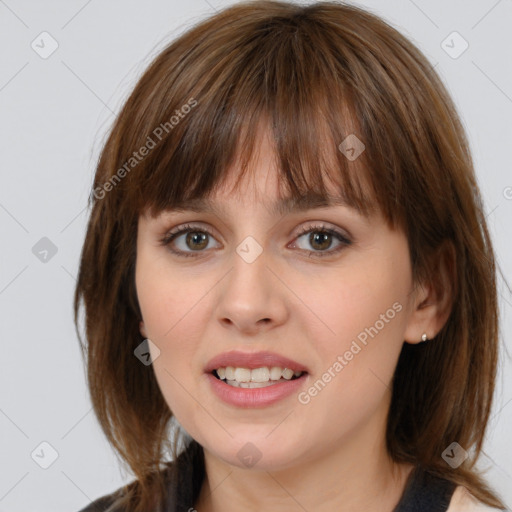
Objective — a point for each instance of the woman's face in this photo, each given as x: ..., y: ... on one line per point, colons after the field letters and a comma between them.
x: 258, y: 284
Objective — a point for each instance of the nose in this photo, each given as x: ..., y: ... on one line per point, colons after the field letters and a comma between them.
x: 251, y: 298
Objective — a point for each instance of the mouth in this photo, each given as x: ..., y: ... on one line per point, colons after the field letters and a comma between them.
x: 254, y: 379
x: 264, y: 376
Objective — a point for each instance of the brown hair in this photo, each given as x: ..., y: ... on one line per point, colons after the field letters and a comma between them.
x: 324, y: 69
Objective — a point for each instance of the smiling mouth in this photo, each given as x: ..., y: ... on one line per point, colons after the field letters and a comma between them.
x: 257, y: 377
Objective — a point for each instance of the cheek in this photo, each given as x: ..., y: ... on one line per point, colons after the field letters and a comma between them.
x: 352, y: 383
x: 363, y: 321
x: 169, y: 307
x: 171, y: 321
x: 358, y: 304
x: 167, y: 300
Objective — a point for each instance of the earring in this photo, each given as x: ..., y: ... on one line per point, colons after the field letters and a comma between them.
x: 424, y: 337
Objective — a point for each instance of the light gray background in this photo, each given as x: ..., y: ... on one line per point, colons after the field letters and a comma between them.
x: 54, y: 115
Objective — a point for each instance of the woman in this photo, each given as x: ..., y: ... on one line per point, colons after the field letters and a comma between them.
x: 287, y: 257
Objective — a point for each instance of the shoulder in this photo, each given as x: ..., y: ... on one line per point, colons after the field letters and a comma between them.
x: 463, y: 501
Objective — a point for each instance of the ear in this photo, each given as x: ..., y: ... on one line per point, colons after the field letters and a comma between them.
x: 434, y: 299
x: 142, y: 329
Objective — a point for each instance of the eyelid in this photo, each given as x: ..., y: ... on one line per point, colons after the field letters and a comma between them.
x: 323, y: 227
x: 182, y: 228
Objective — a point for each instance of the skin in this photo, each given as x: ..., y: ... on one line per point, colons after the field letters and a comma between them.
x: 330, y: 453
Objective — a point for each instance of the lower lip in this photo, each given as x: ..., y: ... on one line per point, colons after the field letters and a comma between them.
x: 255, y: 397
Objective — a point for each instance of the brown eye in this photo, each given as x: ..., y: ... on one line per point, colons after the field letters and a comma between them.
x: 321, y: 238
x: 188, y: 240
x: 196, y: 240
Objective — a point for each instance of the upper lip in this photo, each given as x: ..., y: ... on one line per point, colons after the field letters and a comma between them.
x: 253, y: 360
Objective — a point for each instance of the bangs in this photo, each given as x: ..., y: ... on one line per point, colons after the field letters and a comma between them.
x: 309, y: 165
x: 225, y: 98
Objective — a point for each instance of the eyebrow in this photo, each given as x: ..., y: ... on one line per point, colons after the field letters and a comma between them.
x: 280, y: 207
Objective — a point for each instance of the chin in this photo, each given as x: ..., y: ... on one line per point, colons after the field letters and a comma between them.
x: 258, y: 453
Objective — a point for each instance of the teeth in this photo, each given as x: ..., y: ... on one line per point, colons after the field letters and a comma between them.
x: 287, y: 373
x: 260, y: 375
x: 242, y: 375
x: 238, y: 376
x: 254, y: 384
x: 276, y: 372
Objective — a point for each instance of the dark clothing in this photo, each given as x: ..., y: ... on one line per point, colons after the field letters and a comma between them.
x: 423, y: 492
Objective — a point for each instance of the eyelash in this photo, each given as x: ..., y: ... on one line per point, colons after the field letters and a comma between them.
x: 187, y: 228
